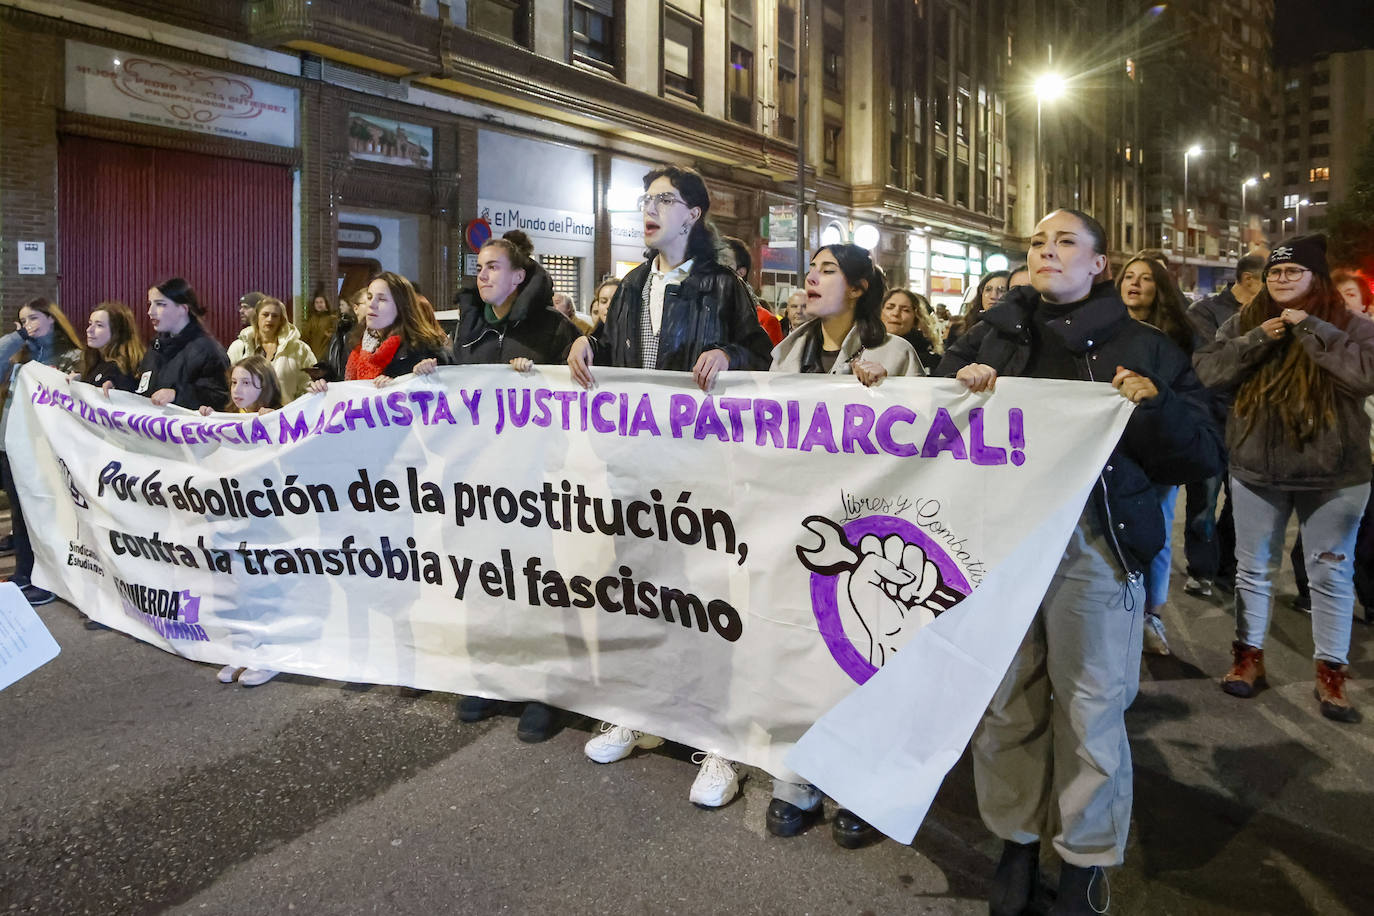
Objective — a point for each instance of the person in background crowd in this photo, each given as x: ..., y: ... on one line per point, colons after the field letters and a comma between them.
x: 113, y: 350
x: 317, y: 328
x: 744, y: 265
x: 1354, y: 290
x: 516, y: 324
x: 991, y: 289
x: 395, y: 336
x: 907, y: 315
x: 1301, y: 366
x: 1055, y: 731
x: 684, y: 309
x: 564, y: 305
x: 184, y: 365
x: 1152, y: 297
x: 794, y: 312
x: 349, y: 309
x: 1210, y: 540
x: 253, y: 388
x: 844, y: 293
x: 248, y: 305
x: 44, y: 335
x: 605, y: 292
x: 1018, y: 276
x: 273, y: 337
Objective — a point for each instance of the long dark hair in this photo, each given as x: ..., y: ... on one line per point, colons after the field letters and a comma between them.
x: 519, y: 251
x: 975, y: 308
x: 1289, y: 384
x: 1169, y: 311
x: 702, y: 241
x: 180, y: 292
x: 61, y: 330
x: 861, y: 273
x: 415, y: 325
x: 125, y: 348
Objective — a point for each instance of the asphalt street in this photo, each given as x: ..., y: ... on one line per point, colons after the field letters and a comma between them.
x: 131, y: 781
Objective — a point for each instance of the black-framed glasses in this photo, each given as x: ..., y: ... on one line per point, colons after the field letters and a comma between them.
x: 655, y: 201
x: 1287, y: 272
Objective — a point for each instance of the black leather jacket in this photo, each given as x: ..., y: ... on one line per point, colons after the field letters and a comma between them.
x: 711, y: 309
x: 1170, y: 439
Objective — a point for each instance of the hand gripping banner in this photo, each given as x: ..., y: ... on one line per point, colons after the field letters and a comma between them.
x: 719, y: 570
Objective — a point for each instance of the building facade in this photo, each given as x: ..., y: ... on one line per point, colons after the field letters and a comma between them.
x: 1318, y: 134
x: 1207, y: 97
x: 285, y: 145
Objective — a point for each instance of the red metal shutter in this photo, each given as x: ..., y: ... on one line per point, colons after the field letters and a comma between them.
x: 130, y: 217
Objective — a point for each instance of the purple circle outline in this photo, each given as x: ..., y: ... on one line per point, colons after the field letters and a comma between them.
x: 825, y: 589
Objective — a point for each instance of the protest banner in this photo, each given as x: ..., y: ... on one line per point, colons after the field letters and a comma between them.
x: 719, y: 570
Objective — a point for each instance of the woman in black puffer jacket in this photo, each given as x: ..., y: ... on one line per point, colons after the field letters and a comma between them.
x: 184, y: 365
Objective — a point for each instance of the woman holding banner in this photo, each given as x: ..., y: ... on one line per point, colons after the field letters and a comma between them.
x: 516, y: 324
x: 273, y: 337
x: 844, y: 294
x: 683, y: 309
x: 113, y: 350
x: 184, y: 366
x: 1055, y: 732
x: 395, y: 335
x: 42, y: 335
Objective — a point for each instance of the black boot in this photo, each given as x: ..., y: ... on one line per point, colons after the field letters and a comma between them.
x: 850, y: 831
x: 475, y: 709
x: 1013, y: 883
x: 786, y: 819
x: 538, y: 722
x: 1082, y: 891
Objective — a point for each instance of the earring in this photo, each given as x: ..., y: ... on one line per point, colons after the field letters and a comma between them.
x: 686, y: 229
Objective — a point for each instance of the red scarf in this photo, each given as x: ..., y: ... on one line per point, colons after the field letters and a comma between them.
x: 365, y: 365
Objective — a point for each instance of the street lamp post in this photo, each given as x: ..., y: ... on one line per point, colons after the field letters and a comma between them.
x: 1190, y: 152
x: 1048, y: 87
x: 1297, y: 220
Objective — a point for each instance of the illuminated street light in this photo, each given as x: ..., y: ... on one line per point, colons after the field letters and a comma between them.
x: 1297, y: 222
x: 1189, y: 153
x: 866, y: 236
x: 1244, y: 219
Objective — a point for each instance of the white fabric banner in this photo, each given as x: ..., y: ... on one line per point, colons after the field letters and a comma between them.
x: 717, y: 570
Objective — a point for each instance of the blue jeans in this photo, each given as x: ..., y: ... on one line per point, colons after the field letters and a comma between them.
x: 1328, y: 520
x: 1201, y: 537
x: 1157, y: 575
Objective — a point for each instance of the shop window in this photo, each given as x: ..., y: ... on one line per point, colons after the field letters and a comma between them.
x: 566, y: 273
x: 682, y: 30
x: 508, y: 20
x: 740, y: 77
x: 787, y: 70
x: 593, y: 27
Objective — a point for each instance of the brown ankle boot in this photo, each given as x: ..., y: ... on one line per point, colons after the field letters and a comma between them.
x: 1246, y: 676
x: 1330, y: 692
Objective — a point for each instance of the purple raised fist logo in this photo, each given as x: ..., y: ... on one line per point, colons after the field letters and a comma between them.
x: 874, y: 582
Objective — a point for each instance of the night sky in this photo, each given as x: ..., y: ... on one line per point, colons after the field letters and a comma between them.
x: 1311, y: 27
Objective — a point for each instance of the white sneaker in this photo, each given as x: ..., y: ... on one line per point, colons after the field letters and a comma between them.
x: 1200, y: 588
x: 616, y: 742
x: 1155, y: 642
x: 254, y: 677
x: 716, y: 782
x: 227, y: 673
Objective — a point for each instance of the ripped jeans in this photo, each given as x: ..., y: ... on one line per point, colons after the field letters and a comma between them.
x: 1328, y: 520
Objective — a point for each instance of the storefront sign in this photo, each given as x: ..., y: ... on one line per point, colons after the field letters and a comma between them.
x: 537, y: 222
x: 375, y: 139
x: 133, y: 87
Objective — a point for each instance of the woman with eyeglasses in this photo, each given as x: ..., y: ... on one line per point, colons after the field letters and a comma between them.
x: 1301, y: 367
x: 684, y: 309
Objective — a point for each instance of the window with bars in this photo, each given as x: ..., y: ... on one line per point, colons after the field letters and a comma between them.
x: 592, y: 25
x: 565, y: 271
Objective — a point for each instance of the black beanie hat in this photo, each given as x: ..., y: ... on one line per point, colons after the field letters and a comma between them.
x: 1304, y: 250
